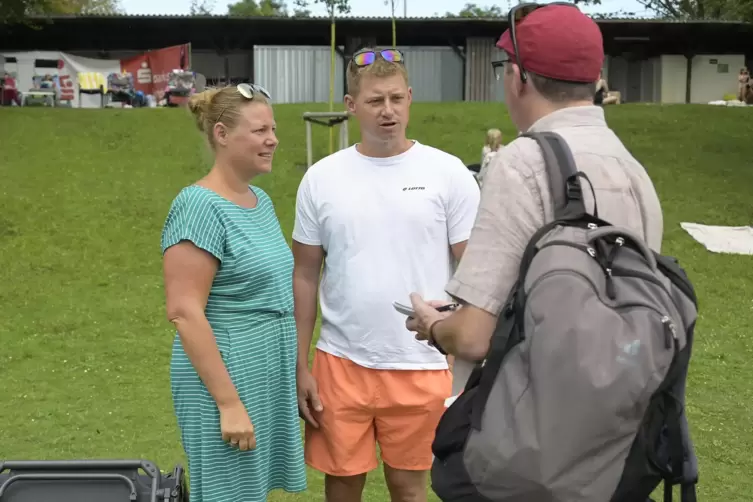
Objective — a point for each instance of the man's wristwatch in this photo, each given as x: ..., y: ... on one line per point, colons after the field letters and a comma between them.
x: 432, y: 341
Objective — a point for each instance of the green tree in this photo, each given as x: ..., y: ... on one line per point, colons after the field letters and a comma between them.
x: 201, y: 7
x: 82, y: 7
x: 15, y: 11
x: 473, y: 10
x: 248, y: 8
x: 692, y: 10
x: 333, y: 6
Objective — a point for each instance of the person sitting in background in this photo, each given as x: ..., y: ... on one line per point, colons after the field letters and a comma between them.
x: 492, y: 145
x: 742, y: 81
x: 743, y: 84
x: 9, y: 93
x: 47, y: 82
x: 228, y: 282
x: 603, y: 95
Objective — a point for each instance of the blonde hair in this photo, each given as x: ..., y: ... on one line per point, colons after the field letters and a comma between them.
x: 219, y: 105
x: 380, y: 68
x: 493, y: 139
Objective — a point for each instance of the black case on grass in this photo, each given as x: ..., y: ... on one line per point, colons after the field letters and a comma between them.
x: 90, y: 481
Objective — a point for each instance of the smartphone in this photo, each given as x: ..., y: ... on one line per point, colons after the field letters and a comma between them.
x: 408, y: 310
x: 404, y: 309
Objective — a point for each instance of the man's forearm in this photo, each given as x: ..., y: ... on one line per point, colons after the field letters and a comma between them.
x: 466, y: 333
x: 305, y: 293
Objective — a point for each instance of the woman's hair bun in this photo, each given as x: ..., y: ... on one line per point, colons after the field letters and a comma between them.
x: 200, y: 105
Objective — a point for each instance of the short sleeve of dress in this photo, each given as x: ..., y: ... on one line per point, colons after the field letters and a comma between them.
x: 193, y: 217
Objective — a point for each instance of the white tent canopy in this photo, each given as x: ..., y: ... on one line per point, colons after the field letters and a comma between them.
x: 26, y: 68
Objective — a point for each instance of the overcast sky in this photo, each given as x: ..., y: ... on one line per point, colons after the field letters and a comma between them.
x: 416, y: 8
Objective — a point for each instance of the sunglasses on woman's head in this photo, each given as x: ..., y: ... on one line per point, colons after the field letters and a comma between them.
x: 248, y: 91
x: 515, y: 16
x: 367, y: 57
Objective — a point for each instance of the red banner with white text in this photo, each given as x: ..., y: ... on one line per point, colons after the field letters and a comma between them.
x: 150, y: 70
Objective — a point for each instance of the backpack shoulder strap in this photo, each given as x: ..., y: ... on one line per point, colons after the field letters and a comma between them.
x: 564, y: 177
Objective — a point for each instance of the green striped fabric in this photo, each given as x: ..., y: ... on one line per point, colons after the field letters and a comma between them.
x: 250, y: 309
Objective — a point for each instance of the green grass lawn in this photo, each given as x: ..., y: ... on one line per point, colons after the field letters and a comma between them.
x: 84, y: 343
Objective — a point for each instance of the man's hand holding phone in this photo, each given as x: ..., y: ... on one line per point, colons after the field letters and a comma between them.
x: 422, y: 316
x: 438, y: 305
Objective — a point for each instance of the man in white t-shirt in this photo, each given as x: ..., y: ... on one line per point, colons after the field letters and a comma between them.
x: 385, y: 217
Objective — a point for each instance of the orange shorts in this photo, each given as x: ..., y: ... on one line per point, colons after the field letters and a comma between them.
x: 398, y: 409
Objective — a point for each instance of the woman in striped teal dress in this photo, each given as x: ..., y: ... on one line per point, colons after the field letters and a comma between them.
x: 228, y: 281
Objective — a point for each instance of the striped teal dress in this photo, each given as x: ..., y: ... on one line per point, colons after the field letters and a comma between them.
x: 250, y: 309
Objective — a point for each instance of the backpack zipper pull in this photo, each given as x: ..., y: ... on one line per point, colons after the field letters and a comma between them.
x: 670, y: 332
x: 611, y: 293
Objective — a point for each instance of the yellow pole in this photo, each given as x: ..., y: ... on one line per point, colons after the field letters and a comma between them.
x: 332, y: 79
x: 394, y: 30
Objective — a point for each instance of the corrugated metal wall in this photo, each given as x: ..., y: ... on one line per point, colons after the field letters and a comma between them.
x: 301, y: 74
x: 212, y: 65
x: 435, y: 73
x: 498, y: 88
x: 638, y: 81
x: 481, y: 83
x: 297, y: 74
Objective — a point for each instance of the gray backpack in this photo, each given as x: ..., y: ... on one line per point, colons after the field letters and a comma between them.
x: 581, y: 396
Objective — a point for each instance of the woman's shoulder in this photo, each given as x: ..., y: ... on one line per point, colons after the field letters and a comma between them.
x: 194, y: 192
x: 197, y: 200
x: 195, y: 215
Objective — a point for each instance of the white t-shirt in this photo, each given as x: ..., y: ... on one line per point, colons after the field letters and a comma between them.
x: 386, y: 226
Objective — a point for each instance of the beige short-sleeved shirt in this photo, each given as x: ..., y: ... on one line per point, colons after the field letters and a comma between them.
x: 515, y: 202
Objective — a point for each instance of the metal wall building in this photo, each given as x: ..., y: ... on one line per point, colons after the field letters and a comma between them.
x: 297, y: 74
x: 439, y: 74
x: 480, y: 81
x: 302, y: 74
x: 448, y: 59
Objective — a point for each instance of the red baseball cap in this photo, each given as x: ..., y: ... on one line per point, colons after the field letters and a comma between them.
x: 559, y: 42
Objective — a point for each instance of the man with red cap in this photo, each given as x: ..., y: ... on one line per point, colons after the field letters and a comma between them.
x: 554, y: 57
x: 549, y: 81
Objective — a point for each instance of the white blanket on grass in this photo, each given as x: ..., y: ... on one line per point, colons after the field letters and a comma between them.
x: 718, y: 239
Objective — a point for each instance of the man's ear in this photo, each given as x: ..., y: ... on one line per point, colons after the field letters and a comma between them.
x: 517, y: 84
x: 350, y: 103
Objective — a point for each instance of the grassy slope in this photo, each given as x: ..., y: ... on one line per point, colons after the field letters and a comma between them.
x: 84, y: 346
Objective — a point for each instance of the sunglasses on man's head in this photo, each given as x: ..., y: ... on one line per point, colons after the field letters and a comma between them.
x: 515, y: 16
x: 367, y: 57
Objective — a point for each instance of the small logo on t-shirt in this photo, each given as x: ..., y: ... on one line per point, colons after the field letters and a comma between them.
x: 409, y: 189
